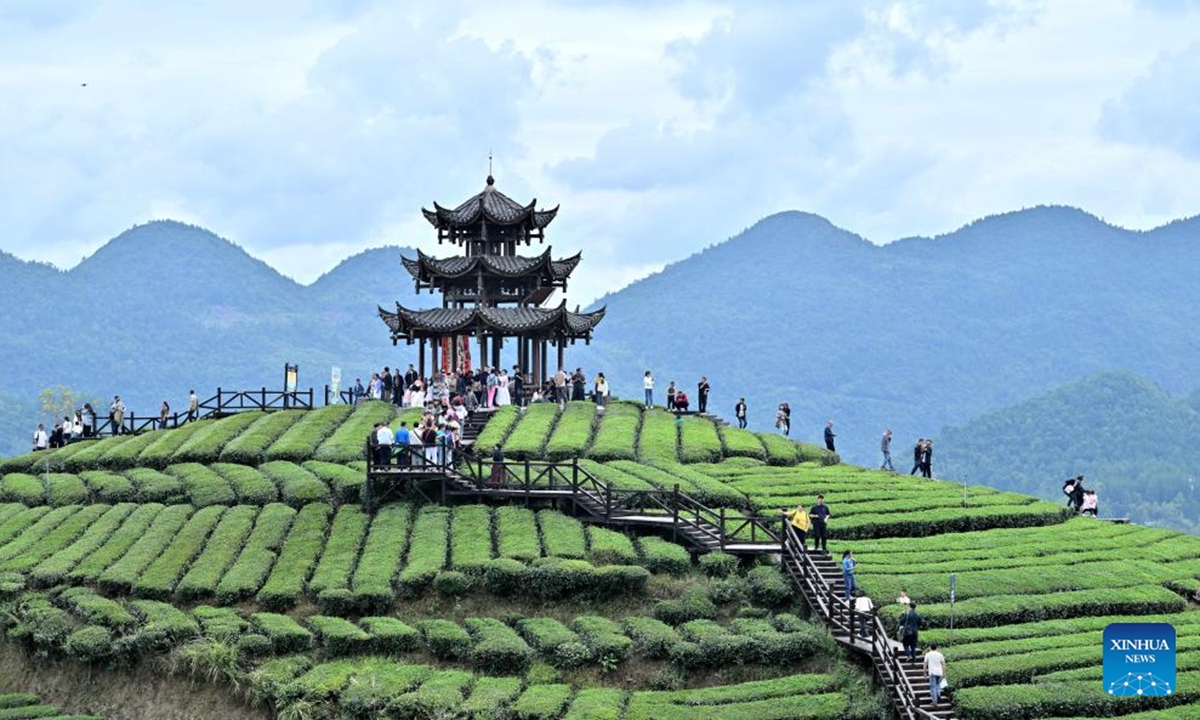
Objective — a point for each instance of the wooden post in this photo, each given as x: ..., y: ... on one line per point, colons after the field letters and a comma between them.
x: 545, y: 360
x: 497, y: 344
x: 537, y: 364
x: 433, y: 354
x: 482, y: 349
x: 561, y: 348
x: 722, y: 528
x: 421, y: 360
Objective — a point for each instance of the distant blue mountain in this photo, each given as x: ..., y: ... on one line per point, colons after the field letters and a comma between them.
x: 915, y: 335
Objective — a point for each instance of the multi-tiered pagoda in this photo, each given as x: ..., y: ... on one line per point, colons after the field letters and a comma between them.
x: 491, y: 293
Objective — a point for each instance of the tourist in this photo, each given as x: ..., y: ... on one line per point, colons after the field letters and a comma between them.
x: 470, y: 403
x: 429, y: 439
x: 497, y: 478
x: 410, y: 376
x: 1076, y: 499
x: 910, y: 626
x: 885, y: 446
x: 935, y: 670
x: 783, y: 419
x: 537, y: 396
x: 77, y: 427
x: 801, y: 523
x: 600, y: 392
x: 359, y: 391
x: 398, y: 387
x: 648, y: 387
x: 917, y: 449
x: 385, y: 381
x: 819, y: 515
x: 702, y: 396
x: 503, y: 396
x: 56, y: 436
x: 493, y: 384
x: 41, y: 440
x: 1090, y: 504
x: 518, y: 386
x: 848, y: 565
x: 578, y: 385
x: 416, y: 454
x: 560, y: 386
x: 373, y: 387
x: 116, y: 413
x: 739, y: 411
x: 671, y: 395
x: 193, y: 406
x: 863, y: 606
x: 829, y: 436
x: 163, y: 414
x: 384, y: 438
x: 681, y: 401
x: 400, y: 444
x: 927, y: 459
x: 88, y: 416
x: 903, y: 598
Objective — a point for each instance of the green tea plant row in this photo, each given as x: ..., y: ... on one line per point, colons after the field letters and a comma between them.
x: 200, y: 485
x: 332, y: 434
x: 24, y: 706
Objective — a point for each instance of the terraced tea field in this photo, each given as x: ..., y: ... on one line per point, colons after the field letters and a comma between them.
x: 236, y: 553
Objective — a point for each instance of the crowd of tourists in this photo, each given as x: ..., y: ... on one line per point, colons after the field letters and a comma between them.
x: 1080, y: 499
x: 431, y: 441
x: 84, y: 423
x: 677, y: 398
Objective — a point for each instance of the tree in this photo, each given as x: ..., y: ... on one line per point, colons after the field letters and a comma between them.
x: 60, y: 402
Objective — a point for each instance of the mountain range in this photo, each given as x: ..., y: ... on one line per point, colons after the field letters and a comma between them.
x: 914, y: 335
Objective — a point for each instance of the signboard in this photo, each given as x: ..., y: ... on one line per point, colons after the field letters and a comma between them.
x: 335, y: 381
x: 291, y: 378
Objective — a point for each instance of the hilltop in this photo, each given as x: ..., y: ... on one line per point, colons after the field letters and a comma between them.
x: 1132, y: 441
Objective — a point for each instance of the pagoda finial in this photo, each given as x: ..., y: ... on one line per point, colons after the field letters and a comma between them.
x: 490, y: 180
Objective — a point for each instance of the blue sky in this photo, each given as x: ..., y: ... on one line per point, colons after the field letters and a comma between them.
x: 306, y: 130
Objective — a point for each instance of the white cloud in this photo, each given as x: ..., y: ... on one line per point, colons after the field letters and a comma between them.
x: 308, y: 130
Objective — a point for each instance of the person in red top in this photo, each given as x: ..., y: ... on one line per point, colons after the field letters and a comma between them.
x: 681, y: 401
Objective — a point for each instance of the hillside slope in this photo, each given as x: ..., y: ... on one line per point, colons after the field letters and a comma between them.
x: 1132, y: 441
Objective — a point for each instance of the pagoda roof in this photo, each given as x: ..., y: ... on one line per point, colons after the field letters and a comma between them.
x: 508, y: 266
x: 512, y: 320
x: 491, y: 205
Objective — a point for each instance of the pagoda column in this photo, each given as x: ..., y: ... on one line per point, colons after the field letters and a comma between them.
x: 497, y: 344
x: 482, y: 349
x: 433, y: 355
x: 454, y: 353
x: 421, y: 360
x: 561, y: 348
x: 545, y: 360
x: 536, y: 369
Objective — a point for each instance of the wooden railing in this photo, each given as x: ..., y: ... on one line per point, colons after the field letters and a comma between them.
x: 868, y: 628
x: 225, y: 402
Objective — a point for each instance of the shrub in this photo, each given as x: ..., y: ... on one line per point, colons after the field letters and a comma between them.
x: 504, y: 576
x: 119, y: 577
x: 471, y: 539
x: 741, y: 443
x: 247, y: 573
x: 250, y: 447
x: 542, y: 702
x: 491, y: 696
x: 659, y: 438
x: 555, y: 641
x: 816, y: 453
x: 304, y: 542
x: 54, y: 569
x: 85, y: 456
x: 603, y: 637
x: 529, y: 437
x: 498, y: 648
x: 341, y: 550
x: 96, y: 609
x: 348, y: 442
x: 154, y: 486
x: 203, y: 486
x: 780, y: 451
x: 609, y: 546
x: 553, y: 578
x: 89, y: 644
x: 499, y: 424
x: 693, y: 605
x: 42, y: 624
x: 19, y: 518
x: 768, y: 586
x: 699, y: 441
x: 517, y: 533
x: 661, y: 556
x: 63, y: 489
x: 249, y: 485
x: 134, y: 527
x: 390, y: 636
x: 344, y: 482
x: 297, y: 486
x: 729, y: 590
x: 158, y: 453
x: 125, y: 454
x: 380, y: 561
x: 25, y: 489
x: 210, y: 438
x: 562, y: 535
x: 376, y: 682
x: 56, y: 529
x: 158, y: 580
x: 652, y: 638
x: 219, y: 553
x: 616, y: 433
x: 596, y: 703
x: 1059, y: 699
x: 220, y: 624
x: 109, y: 487
x: 619, y: 580
x: 300, y: 441
x: 427, y: 553
x: 451, y: 584
x: 338, y: 636
x: 163, y: 626
x: 253, y: 645
x: 445, y: 640
x: 573, y: 431
x: 286, y: 635
x: 718, y: 564
x: 439, y: 696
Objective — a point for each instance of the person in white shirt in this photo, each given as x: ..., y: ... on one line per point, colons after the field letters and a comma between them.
x: 41, y: 440
x: 863, y: 606
x: 193, y: 405
x: 935, y: 669
x: 903, y: 598
x: 384, y: 437
x: 648, y: 386
x: 601, y: 392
